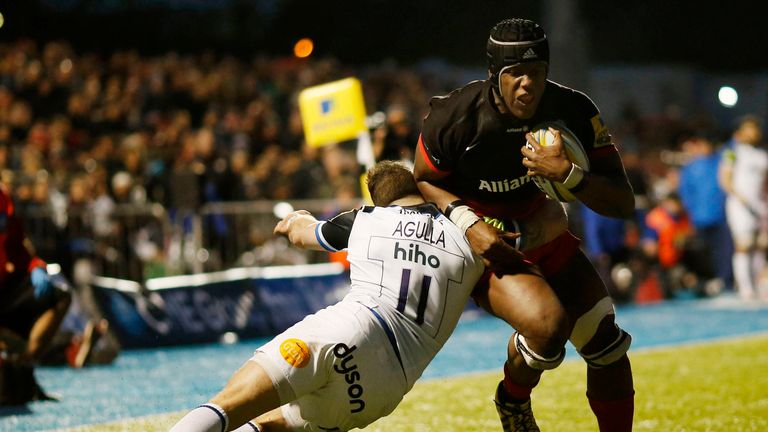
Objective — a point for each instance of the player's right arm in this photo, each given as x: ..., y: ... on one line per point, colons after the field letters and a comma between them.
x: 306, y: 232
x: 299, y: 228
x: 493, y: 245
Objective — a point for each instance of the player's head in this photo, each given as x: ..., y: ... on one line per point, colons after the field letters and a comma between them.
x: 514, y: 41
x: 518, y: 48
x: 389, y: 181
x: 749, y: 130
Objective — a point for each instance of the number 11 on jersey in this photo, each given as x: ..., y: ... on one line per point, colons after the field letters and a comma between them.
x: 405, y: 284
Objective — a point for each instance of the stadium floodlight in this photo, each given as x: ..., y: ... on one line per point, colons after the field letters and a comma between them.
x: 728, y: 96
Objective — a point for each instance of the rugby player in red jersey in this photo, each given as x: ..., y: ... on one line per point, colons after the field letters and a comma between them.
x: 472, y: 161
x: 31, y: 307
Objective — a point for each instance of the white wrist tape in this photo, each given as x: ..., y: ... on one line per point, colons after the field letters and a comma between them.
x: 464, y: 217
x: 574, y: 176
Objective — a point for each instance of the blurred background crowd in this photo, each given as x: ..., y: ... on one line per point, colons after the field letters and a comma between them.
x: 145, y: 163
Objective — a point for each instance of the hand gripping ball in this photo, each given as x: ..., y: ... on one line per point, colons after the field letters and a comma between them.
x: 573, y: 149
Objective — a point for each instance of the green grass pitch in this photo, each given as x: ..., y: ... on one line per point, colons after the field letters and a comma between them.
x: 707, y: 387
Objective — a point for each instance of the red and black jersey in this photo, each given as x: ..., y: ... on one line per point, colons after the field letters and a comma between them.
x: 14, y: 255
x: 466, y: 136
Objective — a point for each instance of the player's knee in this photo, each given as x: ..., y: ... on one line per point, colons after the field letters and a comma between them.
x: 552, y: 330
x: 597, y: 338
x: 607, y: 354
x: 549, y: 330
x: 540, y: 360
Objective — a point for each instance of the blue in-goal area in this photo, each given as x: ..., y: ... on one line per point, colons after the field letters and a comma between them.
x: 152, y: 381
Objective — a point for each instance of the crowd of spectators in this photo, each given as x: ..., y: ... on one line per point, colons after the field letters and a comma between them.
x: 79, y: 132
x: 83, y: 134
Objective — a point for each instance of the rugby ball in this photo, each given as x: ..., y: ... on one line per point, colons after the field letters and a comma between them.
x: 573, y: 149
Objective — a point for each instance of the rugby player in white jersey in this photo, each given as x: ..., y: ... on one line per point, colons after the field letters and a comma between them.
x: 345, y: 366
x: 743, y: 175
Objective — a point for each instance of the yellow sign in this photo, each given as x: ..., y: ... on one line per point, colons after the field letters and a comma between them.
x: 332, y: 112
x: 364, y: 189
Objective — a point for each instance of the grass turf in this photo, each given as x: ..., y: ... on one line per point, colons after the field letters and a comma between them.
x: 717, y: 386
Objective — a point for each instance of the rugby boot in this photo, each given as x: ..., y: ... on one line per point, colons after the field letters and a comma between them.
x: 515, y: 417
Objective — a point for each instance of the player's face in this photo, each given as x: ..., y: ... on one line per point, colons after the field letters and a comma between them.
x: 522, y: 86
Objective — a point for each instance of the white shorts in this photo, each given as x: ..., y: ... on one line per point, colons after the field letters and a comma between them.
x: 744, y: 223
x: 334, y: 370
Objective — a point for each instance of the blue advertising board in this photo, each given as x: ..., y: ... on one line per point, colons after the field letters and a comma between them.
x: 252, y: 302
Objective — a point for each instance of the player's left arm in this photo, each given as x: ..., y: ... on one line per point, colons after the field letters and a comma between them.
x: 605, y: 187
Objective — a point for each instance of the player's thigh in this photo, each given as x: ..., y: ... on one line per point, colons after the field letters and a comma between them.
x: 743, y: 225
x: 578, y: 286
x: 584, y: 296
x: 336, y: 367
x: 526, y: 302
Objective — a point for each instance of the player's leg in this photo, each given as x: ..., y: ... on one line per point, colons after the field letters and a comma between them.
x: 46, y: 326
x: 248, y: 394
x: 743, y: 226
x: 600, y: 342
x: 272, y: 421
x: 530, y: 306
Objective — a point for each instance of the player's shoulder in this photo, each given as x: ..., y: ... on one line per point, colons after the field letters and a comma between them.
x: 560, y: 94
x: 577, y: 111
x: 459, y: 102
x: 426, y: 208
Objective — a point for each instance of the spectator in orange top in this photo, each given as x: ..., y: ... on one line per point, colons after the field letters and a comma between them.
x: 669, y: 228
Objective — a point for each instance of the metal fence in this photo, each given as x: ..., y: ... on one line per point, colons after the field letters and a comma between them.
x: 138, y: 242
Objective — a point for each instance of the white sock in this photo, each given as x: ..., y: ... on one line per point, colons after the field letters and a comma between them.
x: 758, y: 262
x: 205, y: 418
x: 250, y: 426
x: 742, y: 273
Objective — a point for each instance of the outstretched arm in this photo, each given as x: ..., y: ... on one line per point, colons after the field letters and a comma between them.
x: 299, y: 227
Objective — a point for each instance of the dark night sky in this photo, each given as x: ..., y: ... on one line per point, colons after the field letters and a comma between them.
x: 701, y: 34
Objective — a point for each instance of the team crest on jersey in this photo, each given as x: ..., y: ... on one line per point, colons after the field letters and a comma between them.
x: 295, y: 352
x: 602, y: 135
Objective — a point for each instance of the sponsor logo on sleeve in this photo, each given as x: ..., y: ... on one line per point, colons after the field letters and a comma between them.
x: 295, y: 352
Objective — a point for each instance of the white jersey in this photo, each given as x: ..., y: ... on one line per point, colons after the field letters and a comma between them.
x: 414, y: 267
x: 412, y: 272
x: 749, y: 168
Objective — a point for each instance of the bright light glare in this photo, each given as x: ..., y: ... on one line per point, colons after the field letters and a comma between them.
x: 728, y: 96
x: 282, y: 209
x: 303, y: 48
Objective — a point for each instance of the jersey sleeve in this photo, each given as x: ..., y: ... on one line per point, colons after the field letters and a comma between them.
x: 592, y: 131
x: 439, y: 143
x: 333, y: 234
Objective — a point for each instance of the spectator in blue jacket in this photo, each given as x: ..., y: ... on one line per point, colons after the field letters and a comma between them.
x: 704, y: 200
